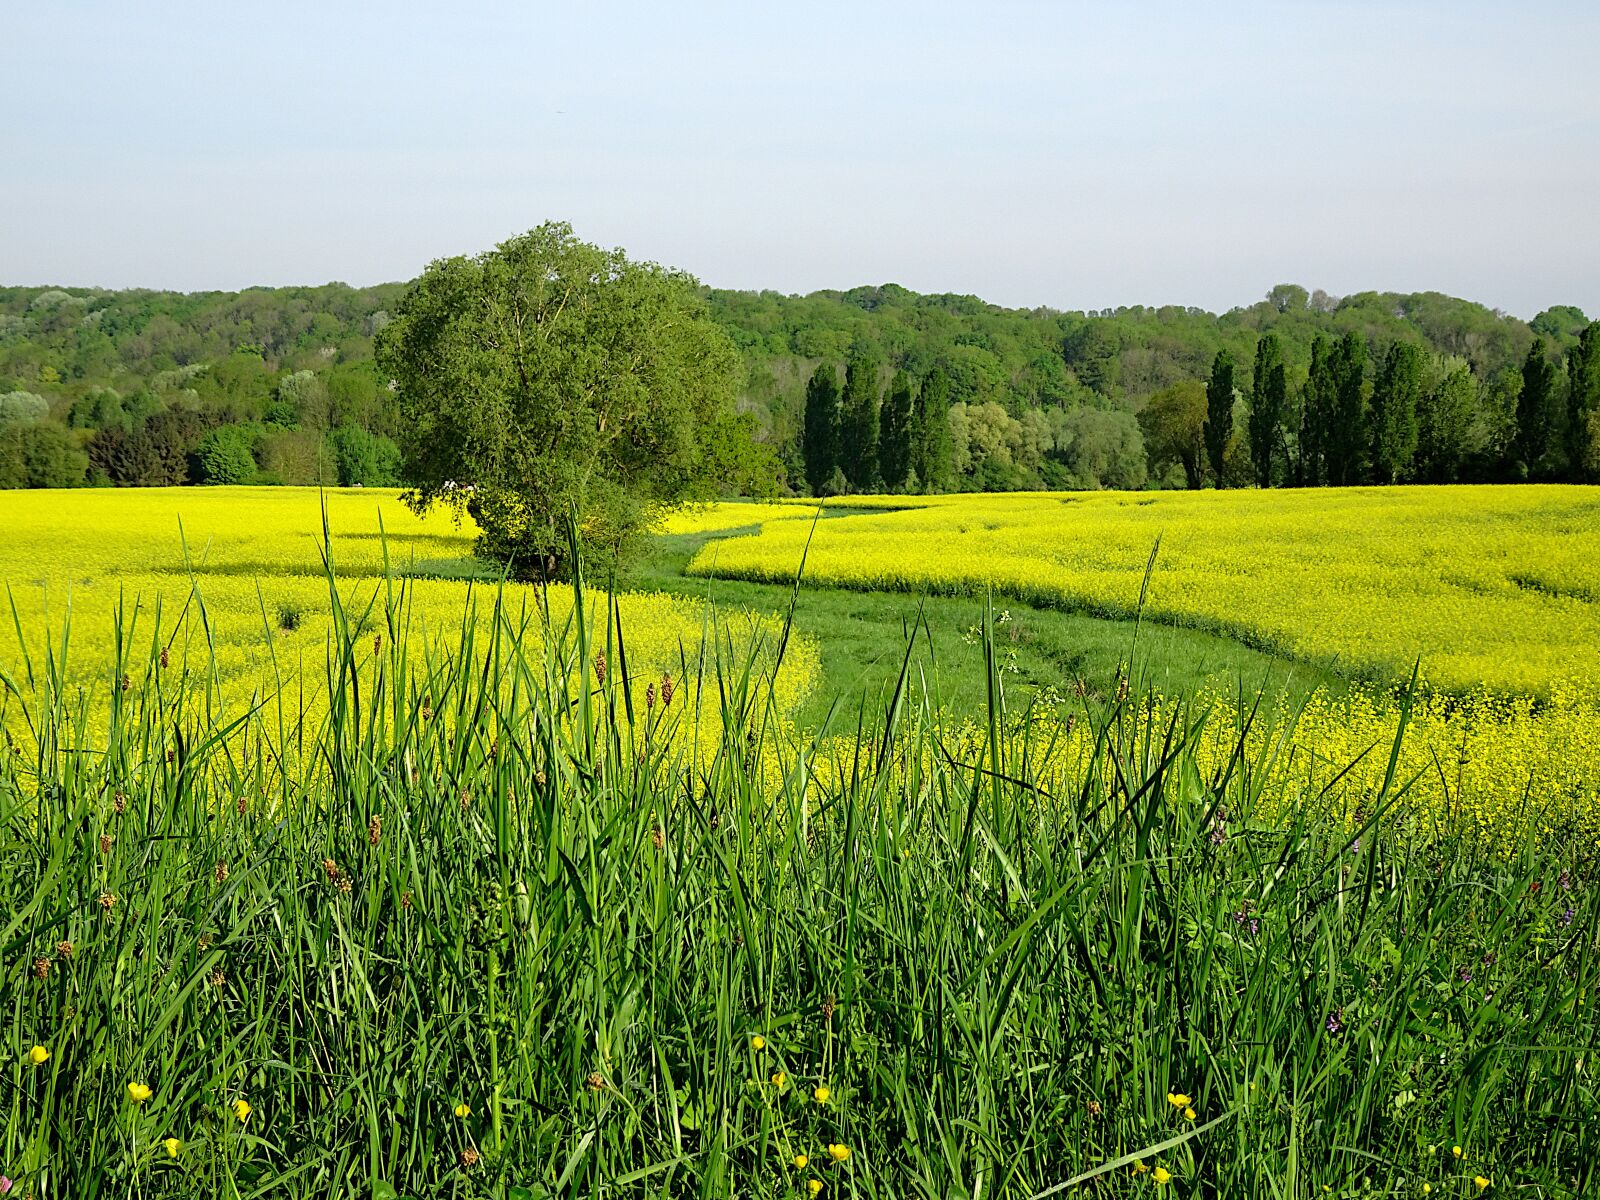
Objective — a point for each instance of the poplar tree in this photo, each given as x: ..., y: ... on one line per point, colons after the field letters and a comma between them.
x: 1536, y: 409
x: 858, y: 422
x: 1317, y: 407
x: 1219, y: 414
x: 1396, y: 396
x: 1347, y: 434
x: 819, y: 437
x: 932, y: 453
x: 1583, y: 400
x: 894, y: 444
x: 1269, y: 399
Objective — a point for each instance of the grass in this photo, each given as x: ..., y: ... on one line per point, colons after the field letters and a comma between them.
x: 491, y: 883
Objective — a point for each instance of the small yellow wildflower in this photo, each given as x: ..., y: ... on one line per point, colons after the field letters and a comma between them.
x: 138, y: 1093
x: 1138, y: 1167
x: 822, y: 1093
x: 779, y: 1080
x: 1188, y: 1114
x: 1480, y: 1181
x: 758, y: 1042
x: 463, y: 1110
x: 1162, y: 1175
x: 1179, y: 1100
x: 838, y: 1153
x: 800, y: 1161
x: 1456, y: 1150
x: 38, y: 1056
x: 241, y: 1109
x: 813, y: 1186
x: 173, y: 1145
x: 1426, y: 1188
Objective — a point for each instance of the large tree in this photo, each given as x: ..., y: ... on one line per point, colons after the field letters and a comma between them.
x: 1219, y: 414
x: 820, y: 434
x: 1537, y: 410
x: 932, y: 448
x: 894, y: 441
x: 1396, y: 397
x: 1445, y: 421
x: 1174, y: 421
x: 1347, y: 435
x: 858, y: 421
x: 1269, y: 401
x: 1318, y: 404
x: 1583, y: 399
x: 550, y: 378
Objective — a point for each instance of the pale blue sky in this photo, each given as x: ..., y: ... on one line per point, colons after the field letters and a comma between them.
x: 1065, y: 154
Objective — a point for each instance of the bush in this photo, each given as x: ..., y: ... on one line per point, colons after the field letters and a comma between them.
x: 364, y: 459
x: 40, y: 455
x: 226, y: 456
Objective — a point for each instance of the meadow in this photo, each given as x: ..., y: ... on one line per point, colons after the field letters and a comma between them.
x: 441, y: 889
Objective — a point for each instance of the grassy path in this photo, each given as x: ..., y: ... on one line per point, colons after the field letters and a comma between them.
x: 862, y: 636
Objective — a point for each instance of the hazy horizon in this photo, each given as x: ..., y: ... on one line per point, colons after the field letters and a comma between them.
x: 1064, y: 156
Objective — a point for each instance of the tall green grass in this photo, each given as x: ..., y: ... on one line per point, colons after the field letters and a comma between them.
x: 490, y: 877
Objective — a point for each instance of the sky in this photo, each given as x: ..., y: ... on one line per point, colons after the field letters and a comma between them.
x: 1079, y: 156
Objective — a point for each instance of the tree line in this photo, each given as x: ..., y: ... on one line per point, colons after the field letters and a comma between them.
x: 281, y: 386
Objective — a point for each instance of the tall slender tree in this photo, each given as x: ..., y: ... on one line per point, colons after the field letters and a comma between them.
x: 1396, y: 397
x: 894, y: 442
x: 858, y: 424
x: 1445, y: 420
x: 820, y: 435
x: 1536, y: 410
x: 1269, y: 400
x: 932, y: 453
x: 1219, y: 414
x: 1318, y: 403
x: 1583, y: 400
x: 1347, y: 435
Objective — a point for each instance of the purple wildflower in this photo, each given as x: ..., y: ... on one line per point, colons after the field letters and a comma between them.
x: 1565, y: 881
x: 1336, y: 1022
x: 1566, y: 917
x: 1466, y: 975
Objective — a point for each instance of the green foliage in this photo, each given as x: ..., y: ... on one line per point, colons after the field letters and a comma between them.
x: 894, y: 446
x: 17, y: 408
x: 932, y: 451
x: 1396, y: 397
x: 1538, y: 428
x: 858, y: 421
x: 1269, y: 403
x: 549, y: 378
x: 364, y: 459
x: 226, y: 455
x: 1173, y: 422
x: 1583, y: 399
x: 1445, y: 426
x: 821, y: 427
x: 1219, y: 414
x: 40, y: 454
x: 1346, y: 456
x: 1319, y: 406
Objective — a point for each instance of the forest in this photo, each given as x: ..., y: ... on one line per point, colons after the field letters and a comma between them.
x: 871, y: 389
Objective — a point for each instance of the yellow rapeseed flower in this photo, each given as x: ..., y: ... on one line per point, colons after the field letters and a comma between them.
x: 1179, y: 1100
x: 241, y: 1109
x: 1162, y: 1175
x: 138, y: 1093
x: 173, y: 1145
x: 758, y: 1042
x: 822, y: 1093
x: 838, y: 1152
x: 38, y: 1056
x: 463, y: 1110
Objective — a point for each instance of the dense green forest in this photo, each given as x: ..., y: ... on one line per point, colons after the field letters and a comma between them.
x: 877, y: 387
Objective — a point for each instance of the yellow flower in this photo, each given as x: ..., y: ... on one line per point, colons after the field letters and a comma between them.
x: 822, y: 1094
x: 38, y: 1056
x: 813, y: 1186
x: 758, y: 1042
x: 779, y: 1080
x: 1162, y: 1175
x: 1456, y: 1150
x: 1188, y: 1114
x: 1139, y: 1168
x: 138, y: 1093
x: 1480, y: 1181
x: 1178, y: 1100
x: 800, y: 1161
x: 463, y: 1110
x: 241, y: 1109
x: 838, y: 1153
x: 173, y: 1145
x: 1426, y: 1188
